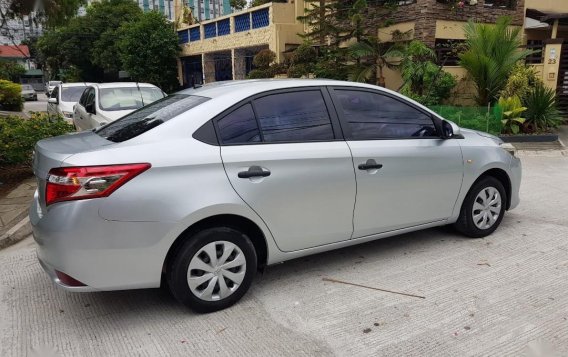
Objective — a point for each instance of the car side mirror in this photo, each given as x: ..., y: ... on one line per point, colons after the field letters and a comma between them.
x: 53, y: 101
x: 450, y: 130
x: 90, y: 108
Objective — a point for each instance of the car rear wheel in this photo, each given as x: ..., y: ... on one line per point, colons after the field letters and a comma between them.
x: 482, y: 209
x: 212, y: 269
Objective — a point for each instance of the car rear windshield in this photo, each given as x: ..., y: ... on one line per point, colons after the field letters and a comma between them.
x: 72, y: 94
x: 150, y: 116
x: 128, y: 98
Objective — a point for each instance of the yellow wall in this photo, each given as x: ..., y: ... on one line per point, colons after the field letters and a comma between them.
x: 450, y: 29
x: 558, y: 6
x: 385, y: 34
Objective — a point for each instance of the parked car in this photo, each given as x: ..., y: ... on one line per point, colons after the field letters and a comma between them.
x: 103, y: 103
x: 50, y: 86
x: 63, y: 98
x: 28, y: 92
x: 201, y: 188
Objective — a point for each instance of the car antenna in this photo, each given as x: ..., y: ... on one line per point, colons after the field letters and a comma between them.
x: 139, y: 91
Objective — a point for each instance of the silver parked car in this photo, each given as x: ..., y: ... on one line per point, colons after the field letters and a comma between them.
x: 28, y: 92
x: 200, y: 189
x: 103, y: 103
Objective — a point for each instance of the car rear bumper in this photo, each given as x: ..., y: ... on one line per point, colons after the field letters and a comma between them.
x: 102, y: 254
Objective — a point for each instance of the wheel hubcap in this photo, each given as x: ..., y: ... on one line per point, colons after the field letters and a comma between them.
x: 486, y: 208
x: 216, y: 271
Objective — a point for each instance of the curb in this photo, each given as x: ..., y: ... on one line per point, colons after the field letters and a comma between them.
x: 18, y: 232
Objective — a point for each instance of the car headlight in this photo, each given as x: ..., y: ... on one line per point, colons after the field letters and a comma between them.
x: 508, y: 147
x: 68, y: 115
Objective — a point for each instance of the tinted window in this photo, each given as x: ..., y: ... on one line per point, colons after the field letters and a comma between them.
x: 149, y: 117
x: 71, y: 94
x: 83, y: 99
x: 295, y: 116
x: 239, y: 126
x: 54, y: 92
x: 375, y: 116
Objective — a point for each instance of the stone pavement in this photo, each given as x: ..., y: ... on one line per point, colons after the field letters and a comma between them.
x: 14, y: 222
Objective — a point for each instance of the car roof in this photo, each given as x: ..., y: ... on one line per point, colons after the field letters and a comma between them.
x: 75, y: 84
x: 123, y: 85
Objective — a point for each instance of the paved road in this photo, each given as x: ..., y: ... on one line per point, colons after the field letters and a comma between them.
x: 36, y: 106
x: 505, y: 295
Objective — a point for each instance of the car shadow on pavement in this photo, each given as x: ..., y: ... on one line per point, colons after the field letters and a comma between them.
x: 128, y: 304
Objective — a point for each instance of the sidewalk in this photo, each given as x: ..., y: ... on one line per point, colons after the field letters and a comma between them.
x: 14, y: 221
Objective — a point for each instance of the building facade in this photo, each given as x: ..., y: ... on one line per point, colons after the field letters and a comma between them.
x: 223, y: 48
x: 15, y: 30
x: 203, y: 10
x: 164, y: 7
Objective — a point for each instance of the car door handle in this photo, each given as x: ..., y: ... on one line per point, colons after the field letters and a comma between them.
x: 370, y: 165
x: 254, y: 171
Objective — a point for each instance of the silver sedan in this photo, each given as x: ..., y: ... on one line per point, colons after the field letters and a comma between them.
x: 200, y: 189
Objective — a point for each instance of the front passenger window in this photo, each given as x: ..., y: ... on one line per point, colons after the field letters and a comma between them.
x: 378, y: 116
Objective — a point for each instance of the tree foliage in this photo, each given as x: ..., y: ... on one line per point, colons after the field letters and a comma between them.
x: 238, y: 4
x: 491, y: 53
x: 11, y: 71
x: 148, y: 50
x: 373, y: 57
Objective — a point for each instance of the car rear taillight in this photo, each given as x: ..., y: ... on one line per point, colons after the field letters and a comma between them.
x: 79, y: 183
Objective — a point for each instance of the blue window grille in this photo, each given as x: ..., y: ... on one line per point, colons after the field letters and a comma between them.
x: 194, y: 34
x: 210, y: 30
x: 223, y: 27
x: 260, y: 18
x: 183, y: 36
x: 242, y: 23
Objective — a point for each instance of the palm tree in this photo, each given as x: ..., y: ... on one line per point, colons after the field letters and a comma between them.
x: 491, y: 53
x: 373, y: 57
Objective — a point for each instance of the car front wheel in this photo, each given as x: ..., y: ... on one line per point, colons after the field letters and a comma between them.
x: 212, y: 269
x: 483, y: 208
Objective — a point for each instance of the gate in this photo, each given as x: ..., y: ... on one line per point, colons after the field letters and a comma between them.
x: 562, y: 88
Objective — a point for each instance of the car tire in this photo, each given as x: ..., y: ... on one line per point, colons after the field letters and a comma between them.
x: 212, y: 287
x: 483, y: 208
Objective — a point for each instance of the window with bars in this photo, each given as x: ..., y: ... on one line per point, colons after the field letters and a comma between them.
x: 223, y: 27
x: 194, y: 34
x: 503, y: 4
x: 260, y: 18
x: 183, y: 36
x: 210, y: 30
x: 242, y: 23
x: 447, y: 51
x: 538, y: 56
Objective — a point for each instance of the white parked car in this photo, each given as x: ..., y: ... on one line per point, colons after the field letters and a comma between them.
x: 103, y: 103
x: 63, y: 98
x: 50, y: 86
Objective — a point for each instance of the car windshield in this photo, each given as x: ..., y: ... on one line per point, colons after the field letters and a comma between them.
x: 128, y: 98
x: 72, y: 94
x: 149, y: 117
x: 27, y: 87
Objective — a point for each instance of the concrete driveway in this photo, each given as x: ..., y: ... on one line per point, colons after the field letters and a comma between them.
x: 505, y: 295
x: 36, y: 106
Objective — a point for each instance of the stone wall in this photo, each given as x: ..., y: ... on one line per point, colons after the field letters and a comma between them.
x: 424, y: 14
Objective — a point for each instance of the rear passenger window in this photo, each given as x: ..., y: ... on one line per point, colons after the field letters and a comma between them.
x: 377, y: 116
x: 294, y: 117
x: 239, y: 126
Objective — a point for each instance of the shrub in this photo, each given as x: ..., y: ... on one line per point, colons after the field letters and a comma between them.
x: 298, y: 70
x: 542, y: 113
x: 436, y: 85
x: 260, y: 74
x: 477, y: 118
x: 10, y: 96
x: 18, y: 136
x: 263, y: 59
x: 522, y: 79
x: 304, y: 54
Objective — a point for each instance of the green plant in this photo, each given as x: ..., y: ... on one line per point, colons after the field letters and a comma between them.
x: 10, y: 96
x: 263, y: 59
x: 424, y: 81
x: 18, y: 136
x: 542, y: 113
x: 512, y: 109
x: 373, y: 56
x: 11, y: 71
x: 303, y: 61
x: 520, y: 82
x: 477, y: 118
x: 491, y: 52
